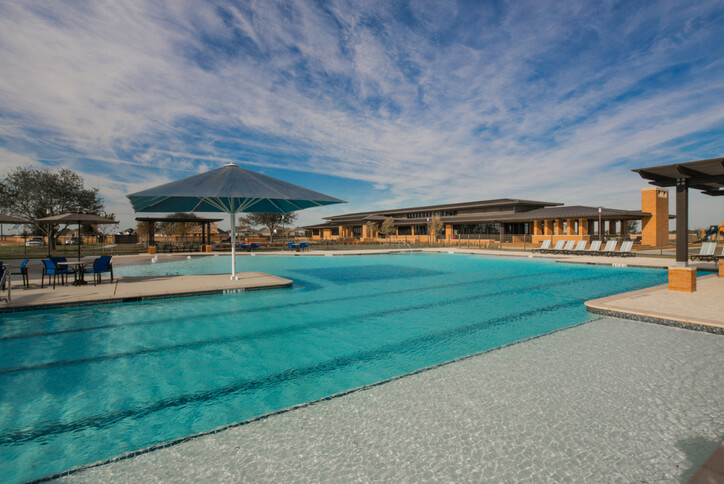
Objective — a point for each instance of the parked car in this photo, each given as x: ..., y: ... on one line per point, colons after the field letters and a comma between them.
x: 73, y: 241
x: 35, y: 242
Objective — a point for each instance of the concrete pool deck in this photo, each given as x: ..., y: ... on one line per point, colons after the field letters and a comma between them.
x: 128, y: 289
x: 701, y: 310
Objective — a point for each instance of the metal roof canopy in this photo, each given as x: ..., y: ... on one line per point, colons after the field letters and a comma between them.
x: 178, y: 219
x: 230, y: 189
x: 704, y: 175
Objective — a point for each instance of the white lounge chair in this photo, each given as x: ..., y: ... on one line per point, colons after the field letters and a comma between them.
x: 595, y: 247
x: 580, y: 247
x: 706, y: 252
x: 610, y: 248
x: 568, y: 247
x: 558, y: 247
x: 544, y: 246
x: 625, y: 250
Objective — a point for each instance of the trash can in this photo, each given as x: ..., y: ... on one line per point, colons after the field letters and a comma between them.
x: 152, y: 250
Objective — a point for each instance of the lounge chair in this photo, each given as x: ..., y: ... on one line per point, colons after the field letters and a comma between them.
x: 625, y: 250
x: 22, y: 271
x: 52, y: 269
x: 720, y: 256
x: 706, y: 252
x: 610, y: 248
x: 568, y: 247
x: 100, y: 265
x: 558, y: 247
x: 595, y: 248
x: 544, y: 246
x: 580, y: 247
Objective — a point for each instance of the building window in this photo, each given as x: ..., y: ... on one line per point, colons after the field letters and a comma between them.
x: 357, y: 231
x: 404, y: 230
x: 315, y: 232
x: 334, y: 232
x: 421, y: 230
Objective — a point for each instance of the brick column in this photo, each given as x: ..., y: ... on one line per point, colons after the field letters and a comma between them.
x: 582, y: 226
x: 448, y: 231
x: 570, y: 227
x: 611, y: 227
x: 548, y: 227
x: 537, y: 227
x: 655, y: 229
x: 682, y: 279
x: 624, y: 227
x: 559, y: 227
x: 365, y: 232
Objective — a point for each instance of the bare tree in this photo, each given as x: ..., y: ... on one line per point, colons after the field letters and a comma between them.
x: 388, y: 227
x: 435, y: 227
x: 372, y: 227
x: 271, y: 221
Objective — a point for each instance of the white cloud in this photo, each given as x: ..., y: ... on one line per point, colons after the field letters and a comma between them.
x: 552, y: 101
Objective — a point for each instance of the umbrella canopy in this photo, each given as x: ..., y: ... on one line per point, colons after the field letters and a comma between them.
x: 8, y: 219
x: 230, y: 189
x: 79, y: 218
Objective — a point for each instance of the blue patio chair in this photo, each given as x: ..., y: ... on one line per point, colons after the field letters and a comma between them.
x: 100, y: 265
x: 292, y: 245
x: 254, y: 246
x: 303, y: 245
x: 244, y: 246
x: 52, y: 269
x: 60, y: 262
x: 23, y: 271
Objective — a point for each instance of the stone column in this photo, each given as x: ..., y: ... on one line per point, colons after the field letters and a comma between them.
x: 559, y: 227
x: 611, y: 227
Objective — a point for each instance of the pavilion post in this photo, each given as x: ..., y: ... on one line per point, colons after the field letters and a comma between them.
x: 232, y: 217
x: 682, y: 223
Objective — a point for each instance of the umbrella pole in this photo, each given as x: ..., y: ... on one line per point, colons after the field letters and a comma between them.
x: 232, y: 217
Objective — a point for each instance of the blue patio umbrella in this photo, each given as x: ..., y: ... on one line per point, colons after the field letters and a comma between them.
x: 230, y: 189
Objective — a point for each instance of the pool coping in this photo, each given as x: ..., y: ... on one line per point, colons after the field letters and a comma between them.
x: 258, y: 418
x: 604, y: 307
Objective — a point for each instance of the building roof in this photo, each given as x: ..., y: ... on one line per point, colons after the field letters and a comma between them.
x: 574, y: 212
x: 704, y: 175
x: 382, y: 214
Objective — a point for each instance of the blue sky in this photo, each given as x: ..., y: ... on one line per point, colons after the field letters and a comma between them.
x: 384, y: 104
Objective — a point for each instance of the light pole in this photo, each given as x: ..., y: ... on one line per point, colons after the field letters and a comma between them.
x: 600, y: 227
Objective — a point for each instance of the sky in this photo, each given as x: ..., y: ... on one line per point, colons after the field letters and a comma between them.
x: 384, y: 104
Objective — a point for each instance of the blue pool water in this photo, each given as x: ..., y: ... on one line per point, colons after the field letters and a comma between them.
x: 83, y: 384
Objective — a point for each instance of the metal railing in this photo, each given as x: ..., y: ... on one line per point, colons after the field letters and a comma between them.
x: 5, y: 279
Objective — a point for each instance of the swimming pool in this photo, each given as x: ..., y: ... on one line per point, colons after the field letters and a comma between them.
x: 90, y: 383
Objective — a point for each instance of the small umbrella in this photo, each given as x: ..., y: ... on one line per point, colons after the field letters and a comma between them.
x: 230, y: 189
x: 79, y: 218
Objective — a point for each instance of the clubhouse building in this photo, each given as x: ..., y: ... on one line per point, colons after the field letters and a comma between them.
x: 503, y: 220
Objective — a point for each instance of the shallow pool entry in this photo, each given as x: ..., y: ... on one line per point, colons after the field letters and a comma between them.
x: 89, y: 383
